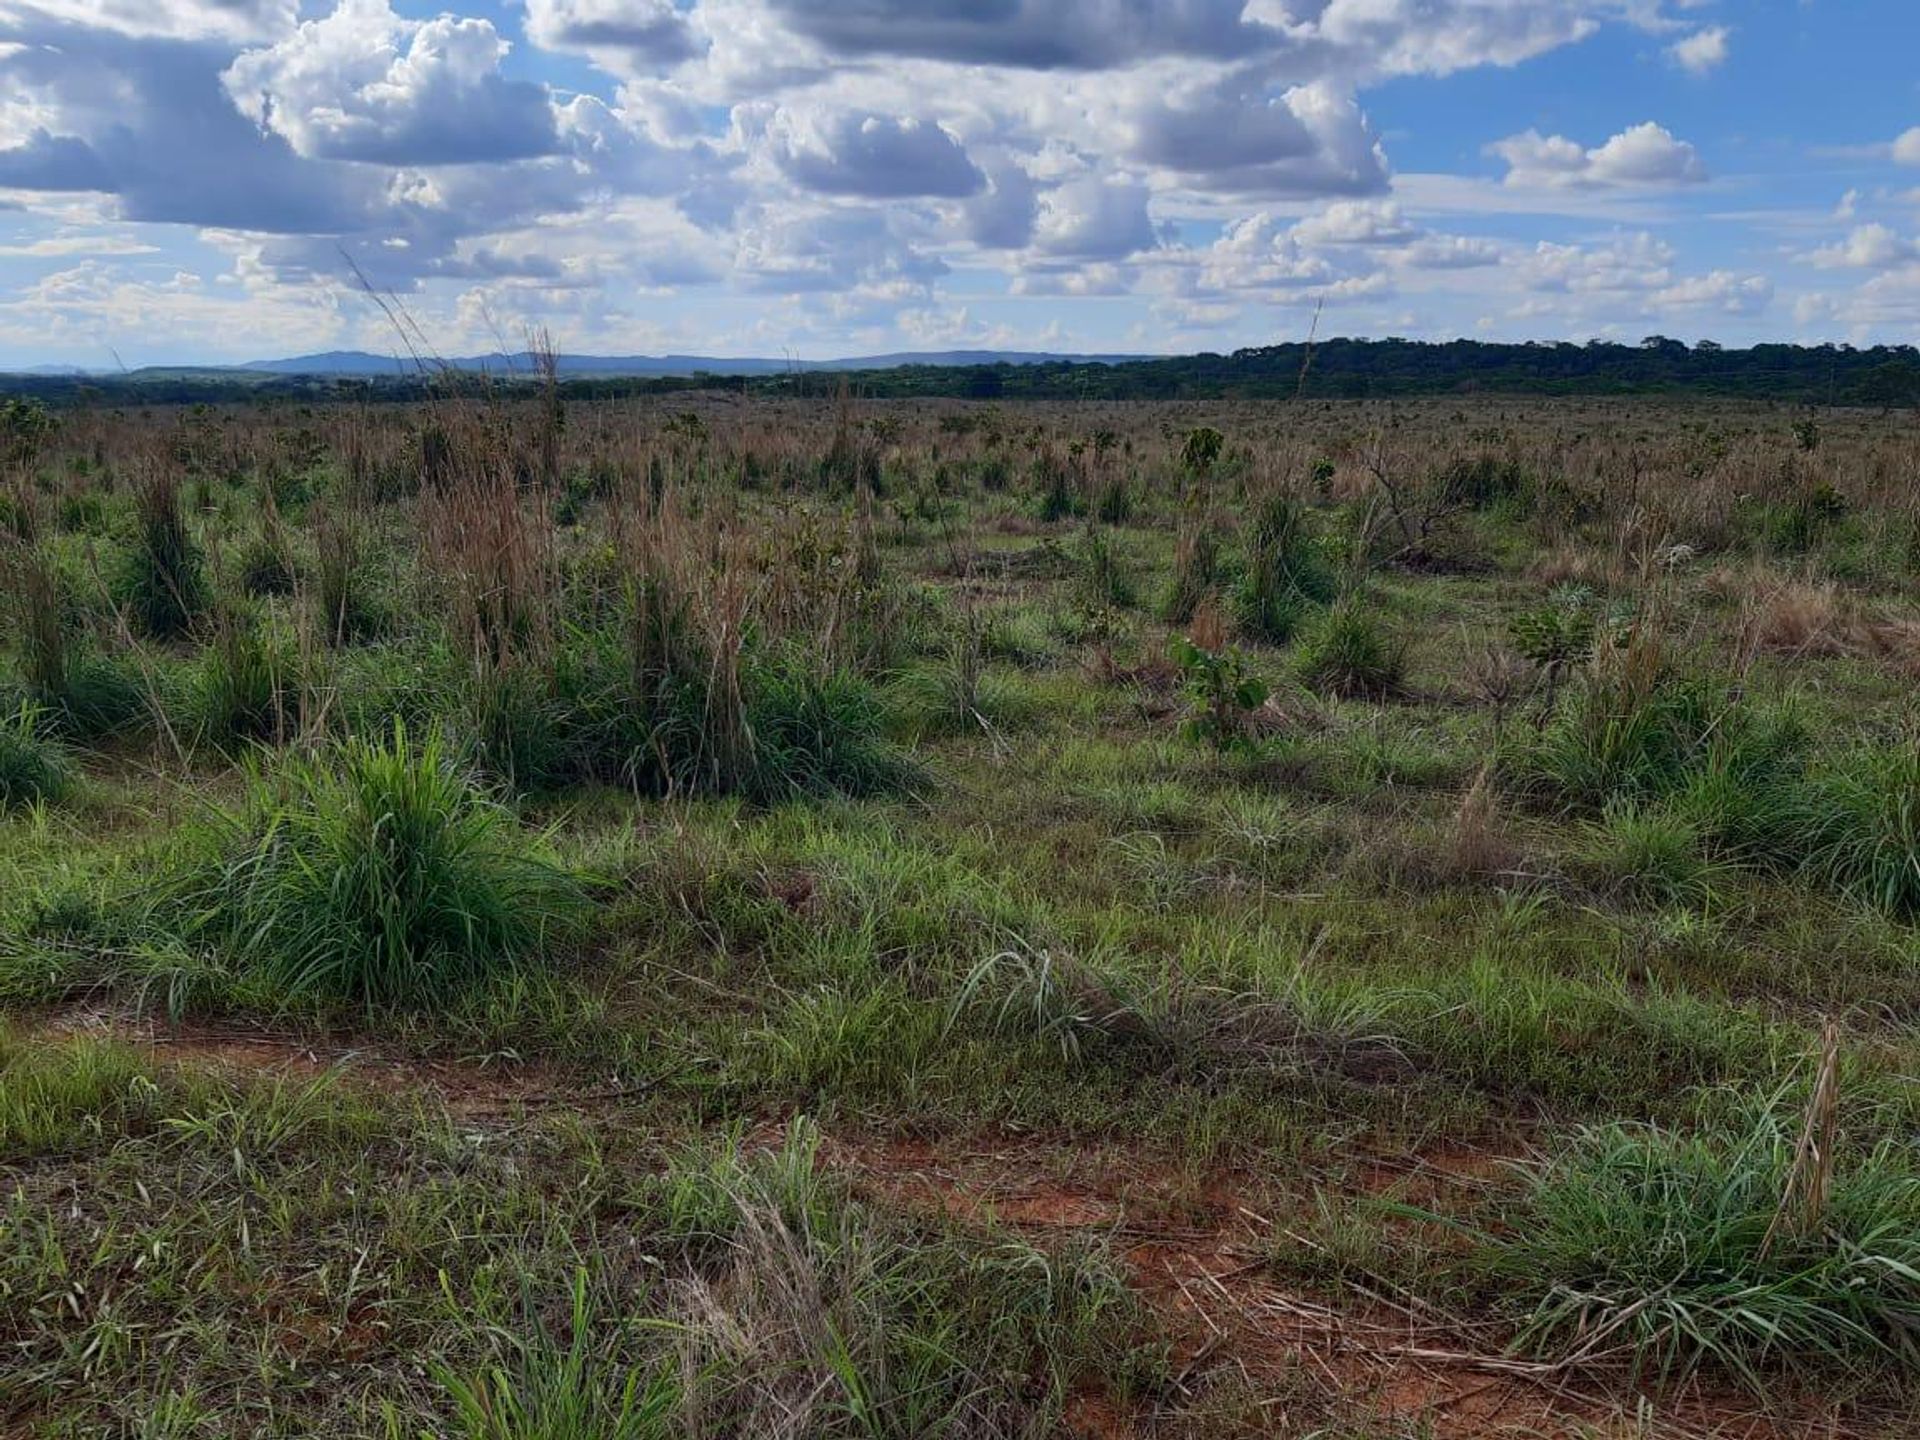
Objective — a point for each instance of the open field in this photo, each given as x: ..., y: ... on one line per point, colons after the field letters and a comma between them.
x: 524, y: 919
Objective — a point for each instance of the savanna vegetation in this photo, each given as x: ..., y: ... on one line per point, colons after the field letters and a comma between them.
x: 533, y: 917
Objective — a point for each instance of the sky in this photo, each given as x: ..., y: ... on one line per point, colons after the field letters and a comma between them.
x: 219, y: 180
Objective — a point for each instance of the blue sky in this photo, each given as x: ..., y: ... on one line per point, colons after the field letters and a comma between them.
x: 208, y: 180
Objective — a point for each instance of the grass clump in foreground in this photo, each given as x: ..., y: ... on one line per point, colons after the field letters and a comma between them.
x: 377, y: 874
x: 33, y: 768
x: 1679, y: 1251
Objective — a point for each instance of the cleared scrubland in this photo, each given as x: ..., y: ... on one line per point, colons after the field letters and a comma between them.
x: 527, y: 918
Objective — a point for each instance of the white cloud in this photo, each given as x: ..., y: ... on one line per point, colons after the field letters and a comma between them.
x: 1719, y: 290
x: 1357, y: 222
x: 1906, y: 149
x: 872, y: 156
x: 1452, y: 252
x: 231, y: 20
x: 1093, y: 218
x: 363, y: 84
x: 1644, y: 155
x: 646, y: 34
x: 1703, y: 51
x: 1868, y: 247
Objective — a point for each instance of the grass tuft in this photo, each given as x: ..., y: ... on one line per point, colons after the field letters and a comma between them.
x: 378, y: 875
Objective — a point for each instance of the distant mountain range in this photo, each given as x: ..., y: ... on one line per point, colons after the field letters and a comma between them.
x: 361, y: 362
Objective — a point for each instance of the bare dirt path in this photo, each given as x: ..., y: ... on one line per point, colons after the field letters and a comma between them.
x: 1196, y: 1247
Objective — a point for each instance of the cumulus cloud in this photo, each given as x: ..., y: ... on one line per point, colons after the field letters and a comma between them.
x: 1644, y: 155
x: 1868, y: 247
x: 1349, y: 222
x: 1002, y: 216
x: 1231, y: 137
x: 875, y: 157
x: 645, y: 33
x: 789, y: 250
x: 1092, y: 218
x: 1703, y: 51
x: 1257, y: 252
x: 362, y: 84
x: 1452, y: 252
x: 1719, y: 290
x: 1207, y: 157
x: 1906, y: 149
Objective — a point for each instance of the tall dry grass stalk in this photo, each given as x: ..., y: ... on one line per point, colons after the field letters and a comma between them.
x: 1803, y: 1200
x: 1479, y: 845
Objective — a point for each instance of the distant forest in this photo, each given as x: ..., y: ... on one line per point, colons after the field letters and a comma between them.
x: 1882, y: 376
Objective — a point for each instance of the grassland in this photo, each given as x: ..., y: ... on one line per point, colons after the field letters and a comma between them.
x: 524, y: 919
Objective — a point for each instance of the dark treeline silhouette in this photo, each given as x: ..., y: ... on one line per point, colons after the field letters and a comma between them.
x: 1333, y: 369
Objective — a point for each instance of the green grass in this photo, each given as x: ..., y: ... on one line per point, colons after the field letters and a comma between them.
x: 803, y: 779
x: 1668, y: 1249
x: 34, y: 767
x: 376, y: 874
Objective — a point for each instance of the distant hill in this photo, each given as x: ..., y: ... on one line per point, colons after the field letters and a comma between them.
x: 362, y: 362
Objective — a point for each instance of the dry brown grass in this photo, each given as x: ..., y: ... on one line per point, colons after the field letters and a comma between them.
x: 1479, y: 843
x: 1799, y: 618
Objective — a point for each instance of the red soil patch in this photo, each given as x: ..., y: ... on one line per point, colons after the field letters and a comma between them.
x: 1195, y: 1246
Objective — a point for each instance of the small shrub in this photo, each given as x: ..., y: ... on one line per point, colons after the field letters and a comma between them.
x: 1487, y: 482
x: 1106, y: 581
x: 102, y: 695
x: 1225, y: 694
x: 1352, y: 654
x: 266, y: 569
x: 1636, y: 728
x: 1057, y: 496
x: 33, y: 767
x: 1559, y: 633
x: 377, y: 875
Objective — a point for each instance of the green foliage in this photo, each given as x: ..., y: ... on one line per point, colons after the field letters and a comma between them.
x: 793, y: 1310
x: 1675, y: 1249
x: 25, y: 427
x: 1798, y: 525
x: 1650, y: 854
x: 818, y: 734
x: 1106, y: 580
x: 266, y: 569
x: 1196, y: 570
x: 1861, y: 827
x: 56, y: 1099
x: 1226, y: 694
x: 162, y: 581
x: 101, y: 695
x: 1057, y: 496
x: 376, y: 875
x: 246, y: 685
x: 545, y: 1387
x: 33, y: 767
x: 1352, y: 653
x: 1560, y: 632
x: 1200, y: 451
x: 1635, y: 728
x: 1285, y: 573
x: 1487, y: 482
